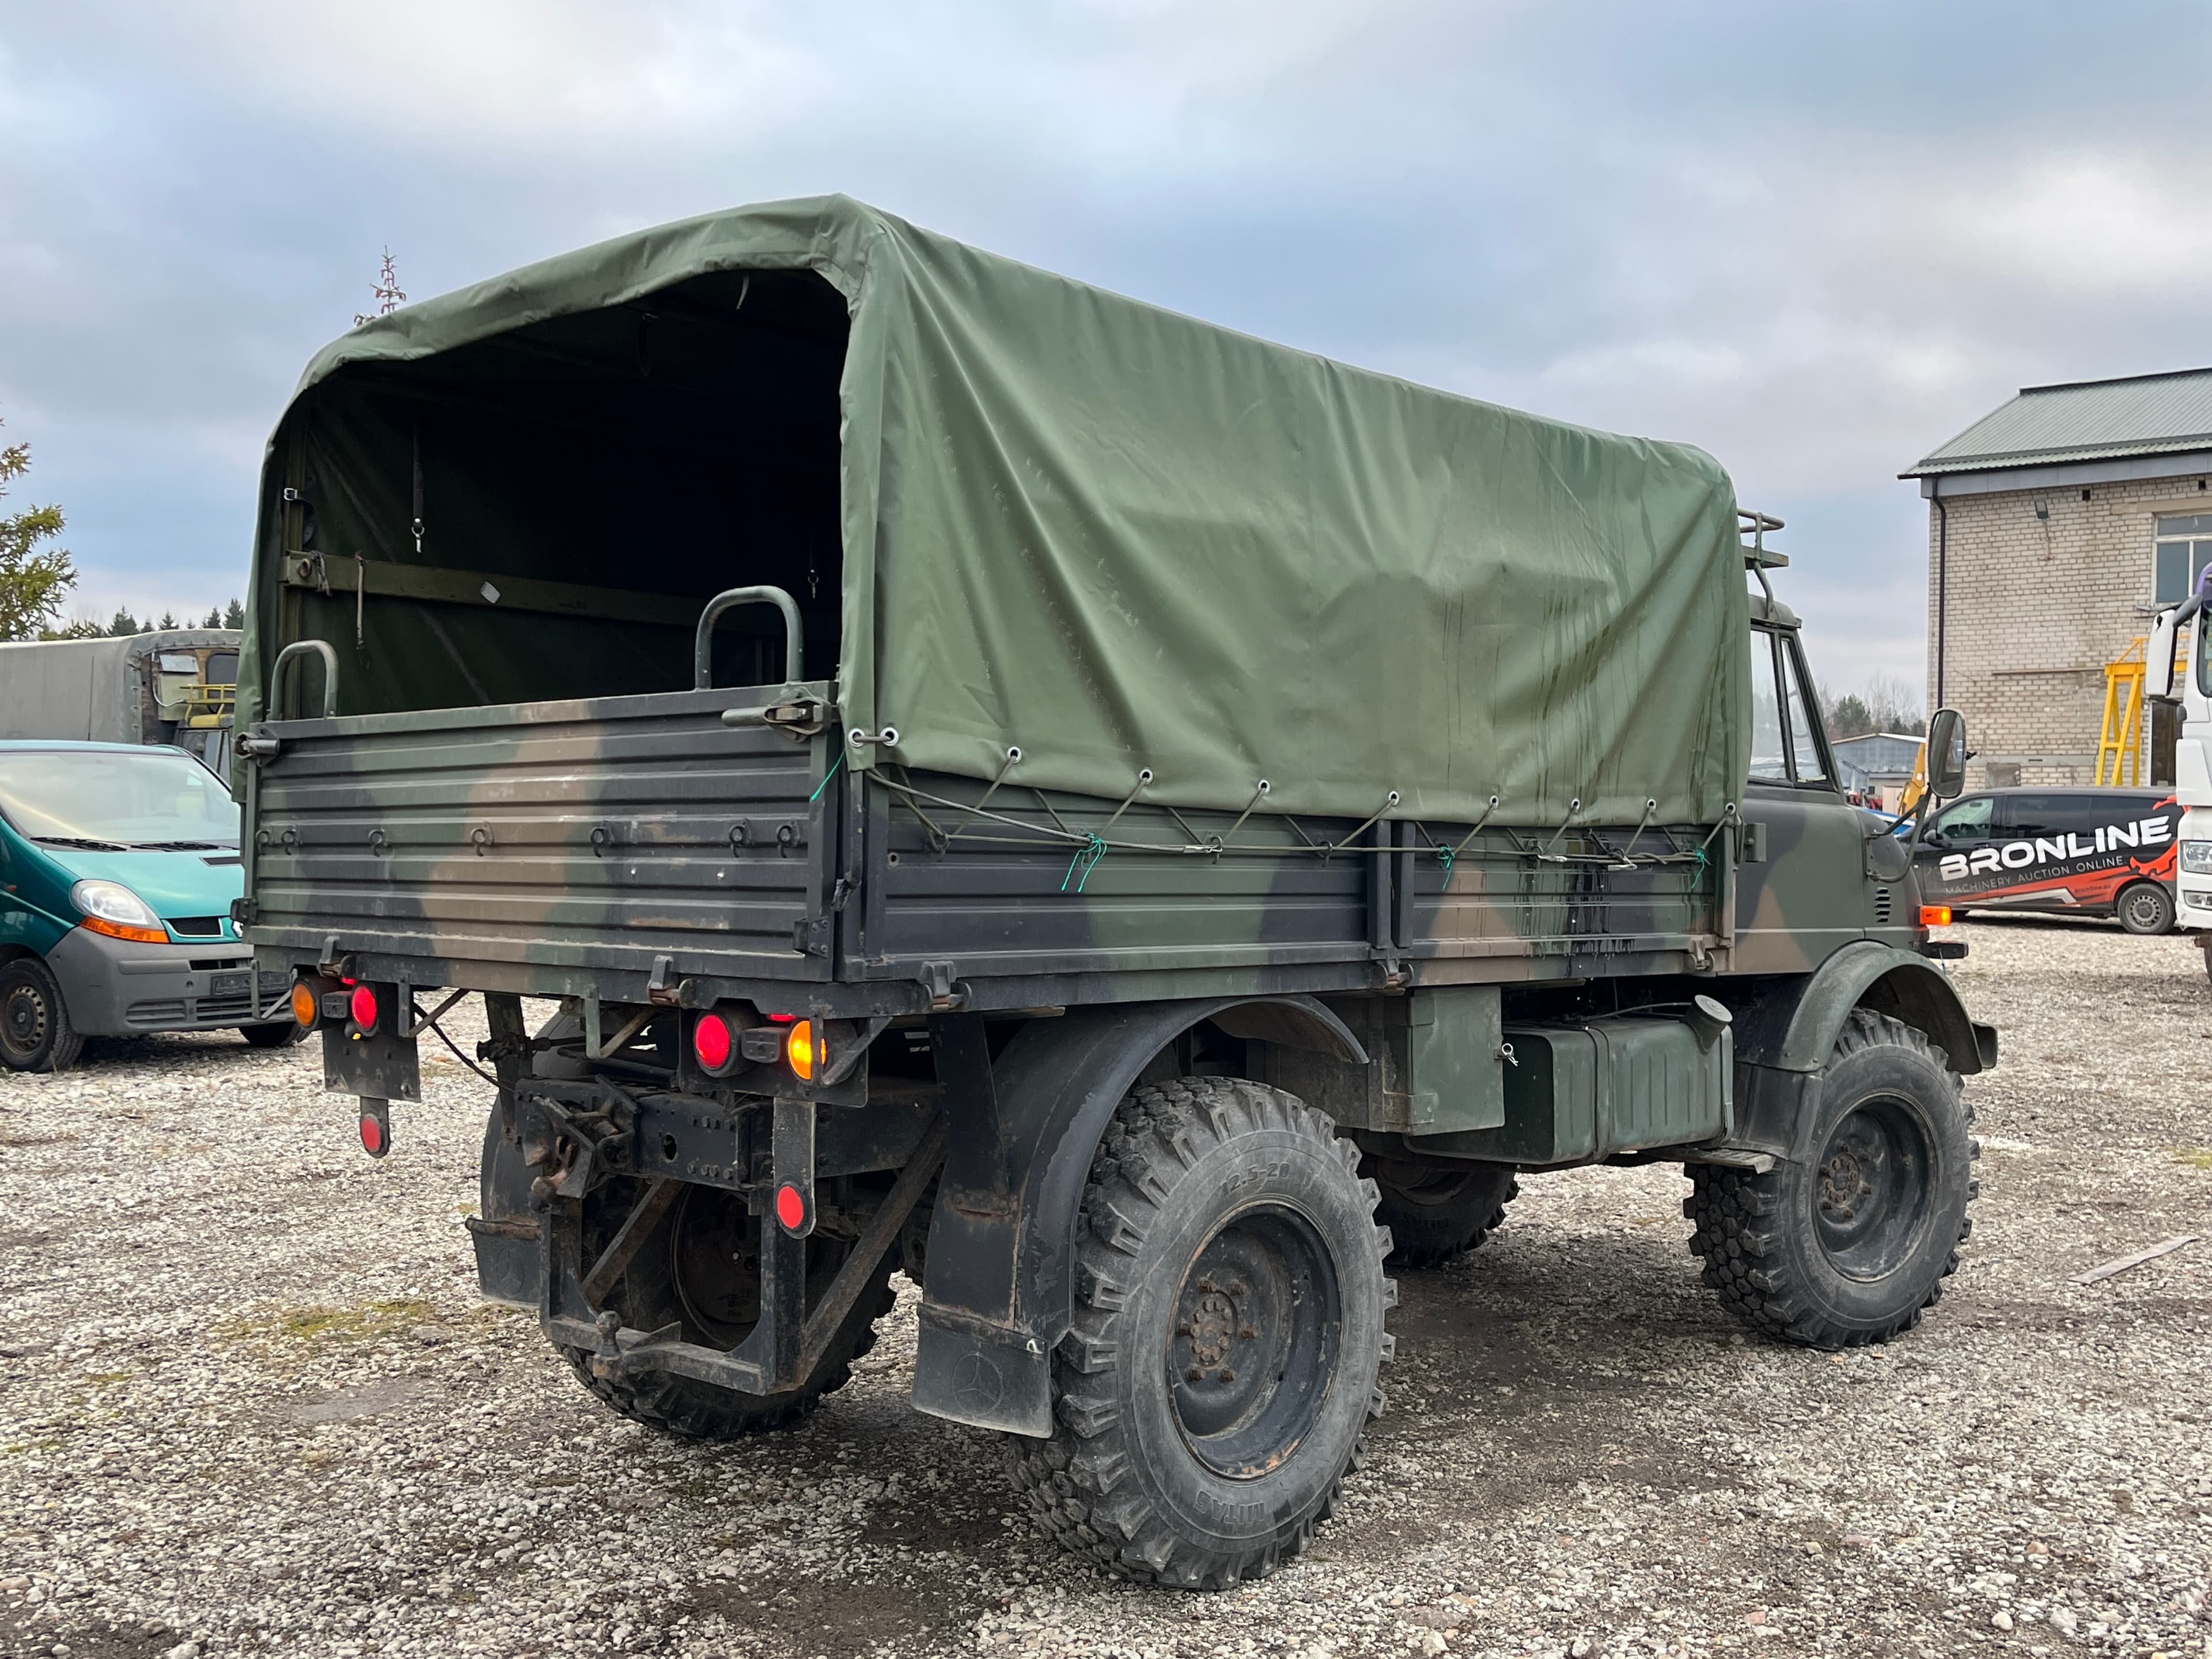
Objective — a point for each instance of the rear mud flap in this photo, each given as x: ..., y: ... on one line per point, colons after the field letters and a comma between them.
x: 996, y: 1380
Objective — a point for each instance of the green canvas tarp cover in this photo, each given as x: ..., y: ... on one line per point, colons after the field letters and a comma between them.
x: 1118, y: 538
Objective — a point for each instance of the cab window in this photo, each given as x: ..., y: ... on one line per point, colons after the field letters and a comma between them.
x: 1769, y: 754
x: 1786, y: 742
x: 1968, y: 820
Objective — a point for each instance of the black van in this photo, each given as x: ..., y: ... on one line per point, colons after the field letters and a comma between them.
x: 2092, y: 852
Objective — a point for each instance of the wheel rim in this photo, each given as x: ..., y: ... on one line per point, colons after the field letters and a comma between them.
x: 1254, y: 1345
x: 1872, y: 1186
x: 24, y: 1019
x: 2145, y: 908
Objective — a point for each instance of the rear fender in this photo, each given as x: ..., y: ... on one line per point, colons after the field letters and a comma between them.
x: 1001, y: 1254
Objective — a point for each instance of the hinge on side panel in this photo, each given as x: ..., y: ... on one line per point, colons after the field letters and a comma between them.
x: 944, y: 995
x: 661, y: 989
x: 810, y: 936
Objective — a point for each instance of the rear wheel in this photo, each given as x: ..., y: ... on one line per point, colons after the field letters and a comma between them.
x: 1437, y: 1212
x: 1229, y: 1317
x: 286, y: 1035
x: 2146, y: 907
x: 1849, y: 1248
x: 700, y: 1270
x: 35, y: 1035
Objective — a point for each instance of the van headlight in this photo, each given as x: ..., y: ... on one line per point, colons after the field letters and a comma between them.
x: 112, y: 908
x: 2196, y: 857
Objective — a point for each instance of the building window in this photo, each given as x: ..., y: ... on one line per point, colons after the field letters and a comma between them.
x: 2182, y: 550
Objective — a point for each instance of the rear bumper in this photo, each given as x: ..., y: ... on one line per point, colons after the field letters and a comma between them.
x: 114, y: 988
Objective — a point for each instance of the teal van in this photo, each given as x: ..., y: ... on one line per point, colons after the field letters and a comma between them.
x: 118, y: 863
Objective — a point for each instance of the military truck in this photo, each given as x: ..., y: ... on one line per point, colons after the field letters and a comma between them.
x: 1126, y: 823
x: 173, y: 686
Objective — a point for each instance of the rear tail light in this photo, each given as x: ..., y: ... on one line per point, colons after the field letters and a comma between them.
x: 362, y: 1011
x: 715, y: 1044
x: 801, y: 1051
x: 1934, y: 915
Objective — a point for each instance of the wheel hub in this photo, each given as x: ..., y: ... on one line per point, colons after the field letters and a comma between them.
x: 1844, y: 1183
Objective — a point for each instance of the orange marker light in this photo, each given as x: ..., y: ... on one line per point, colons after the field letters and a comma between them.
x: 799, y: 1050
x: 1934, y: 915
x: 305, y: 1009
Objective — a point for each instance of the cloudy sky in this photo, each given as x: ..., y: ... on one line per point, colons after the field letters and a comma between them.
x: 1816, y: 239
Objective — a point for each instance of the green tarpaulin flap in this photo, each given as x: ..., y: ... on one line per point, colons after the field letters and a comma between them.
x: 1117, y: 538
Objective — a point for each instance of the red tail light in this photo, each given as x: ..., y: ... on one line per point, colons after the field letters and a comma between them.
x: 363, y: 1009
x: 713, y: 1043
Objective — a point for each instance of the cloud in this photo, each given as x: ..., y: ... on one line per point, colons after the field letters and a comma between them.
x: 1816, y: 241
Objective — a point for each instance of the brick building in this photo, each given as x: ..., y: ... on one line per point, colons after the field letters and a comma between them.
x: 2054, y: 524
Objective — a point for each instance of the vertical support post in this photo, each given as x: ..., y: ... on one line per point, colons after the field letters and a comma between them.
x: 774, y: 1344
x: 510, y: 1051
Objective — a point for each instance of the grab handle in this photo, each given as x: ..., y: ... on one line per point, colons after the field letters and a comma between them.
x: 292, y: 653
x: 703, y: 647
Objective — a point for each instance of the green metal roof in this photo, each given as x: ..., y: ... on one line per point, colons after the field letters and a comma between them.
x: 2083, y: 421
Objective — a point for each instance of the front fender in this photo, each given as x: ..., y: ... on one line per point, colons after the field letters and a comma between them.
x: 1001, y: 1252
x: 1794, y: 1026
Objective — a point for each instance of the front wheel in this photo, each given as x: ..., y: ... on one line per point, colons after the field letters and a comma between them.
x: 1849, y: 1248
x: 1230, y: 1304
x: 35, y: 1034
x: 2146, y: 907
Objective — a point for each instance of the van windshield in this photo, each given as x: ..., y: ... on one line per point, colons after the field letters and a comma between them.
x: 114, y: 799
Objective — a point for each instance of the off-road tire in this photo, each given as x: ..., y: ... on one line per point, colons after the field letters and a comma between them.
x: 647, y: 1298
x: 1789, y: 1252
x: 2145, y: 908
x: 1195, y: 1171
x: 36, y: 1033
x: 288, y: 1034
x: 1443, y: 1211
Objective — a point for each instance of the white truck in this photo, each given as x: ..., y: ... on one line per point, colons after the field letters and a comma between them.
x: 174, y: 686
x: 2187, y: 685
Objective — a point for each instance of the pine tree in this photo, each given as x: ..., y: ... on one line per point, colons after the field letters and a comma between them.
x: 32, y: 582
x: 123, y: 623
x: 233, y: 615
x: 214, y: 617
x: 385, y: 288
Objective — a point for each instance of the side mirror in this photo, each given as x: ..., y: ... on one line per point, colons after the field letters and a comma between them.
x: 2158, y: 657
x: 1947, y: 754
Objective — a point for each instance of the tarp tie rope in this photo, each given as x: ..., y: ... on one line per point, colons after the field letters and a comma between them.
x: 826, y: 777
x: 1013, y: 759
x: 1144, y: 781
x: 1085, y: 861
x: 1448, y: 855
x: 1215, y: 843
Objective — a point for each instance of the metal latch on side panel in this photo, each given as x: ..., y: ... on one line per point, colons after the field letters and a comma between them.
x: 1750, y: 842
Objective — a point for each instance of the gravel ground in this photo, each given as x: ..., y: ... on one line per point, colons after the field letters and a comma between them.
x: 249, y: 1402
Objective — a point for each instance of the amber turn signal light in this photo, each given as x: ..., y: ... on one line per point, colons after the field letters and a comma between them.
x: 307, y: 1007
x: 1934, y: 915
x: 124, y: 930
x: 803, y: 1054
